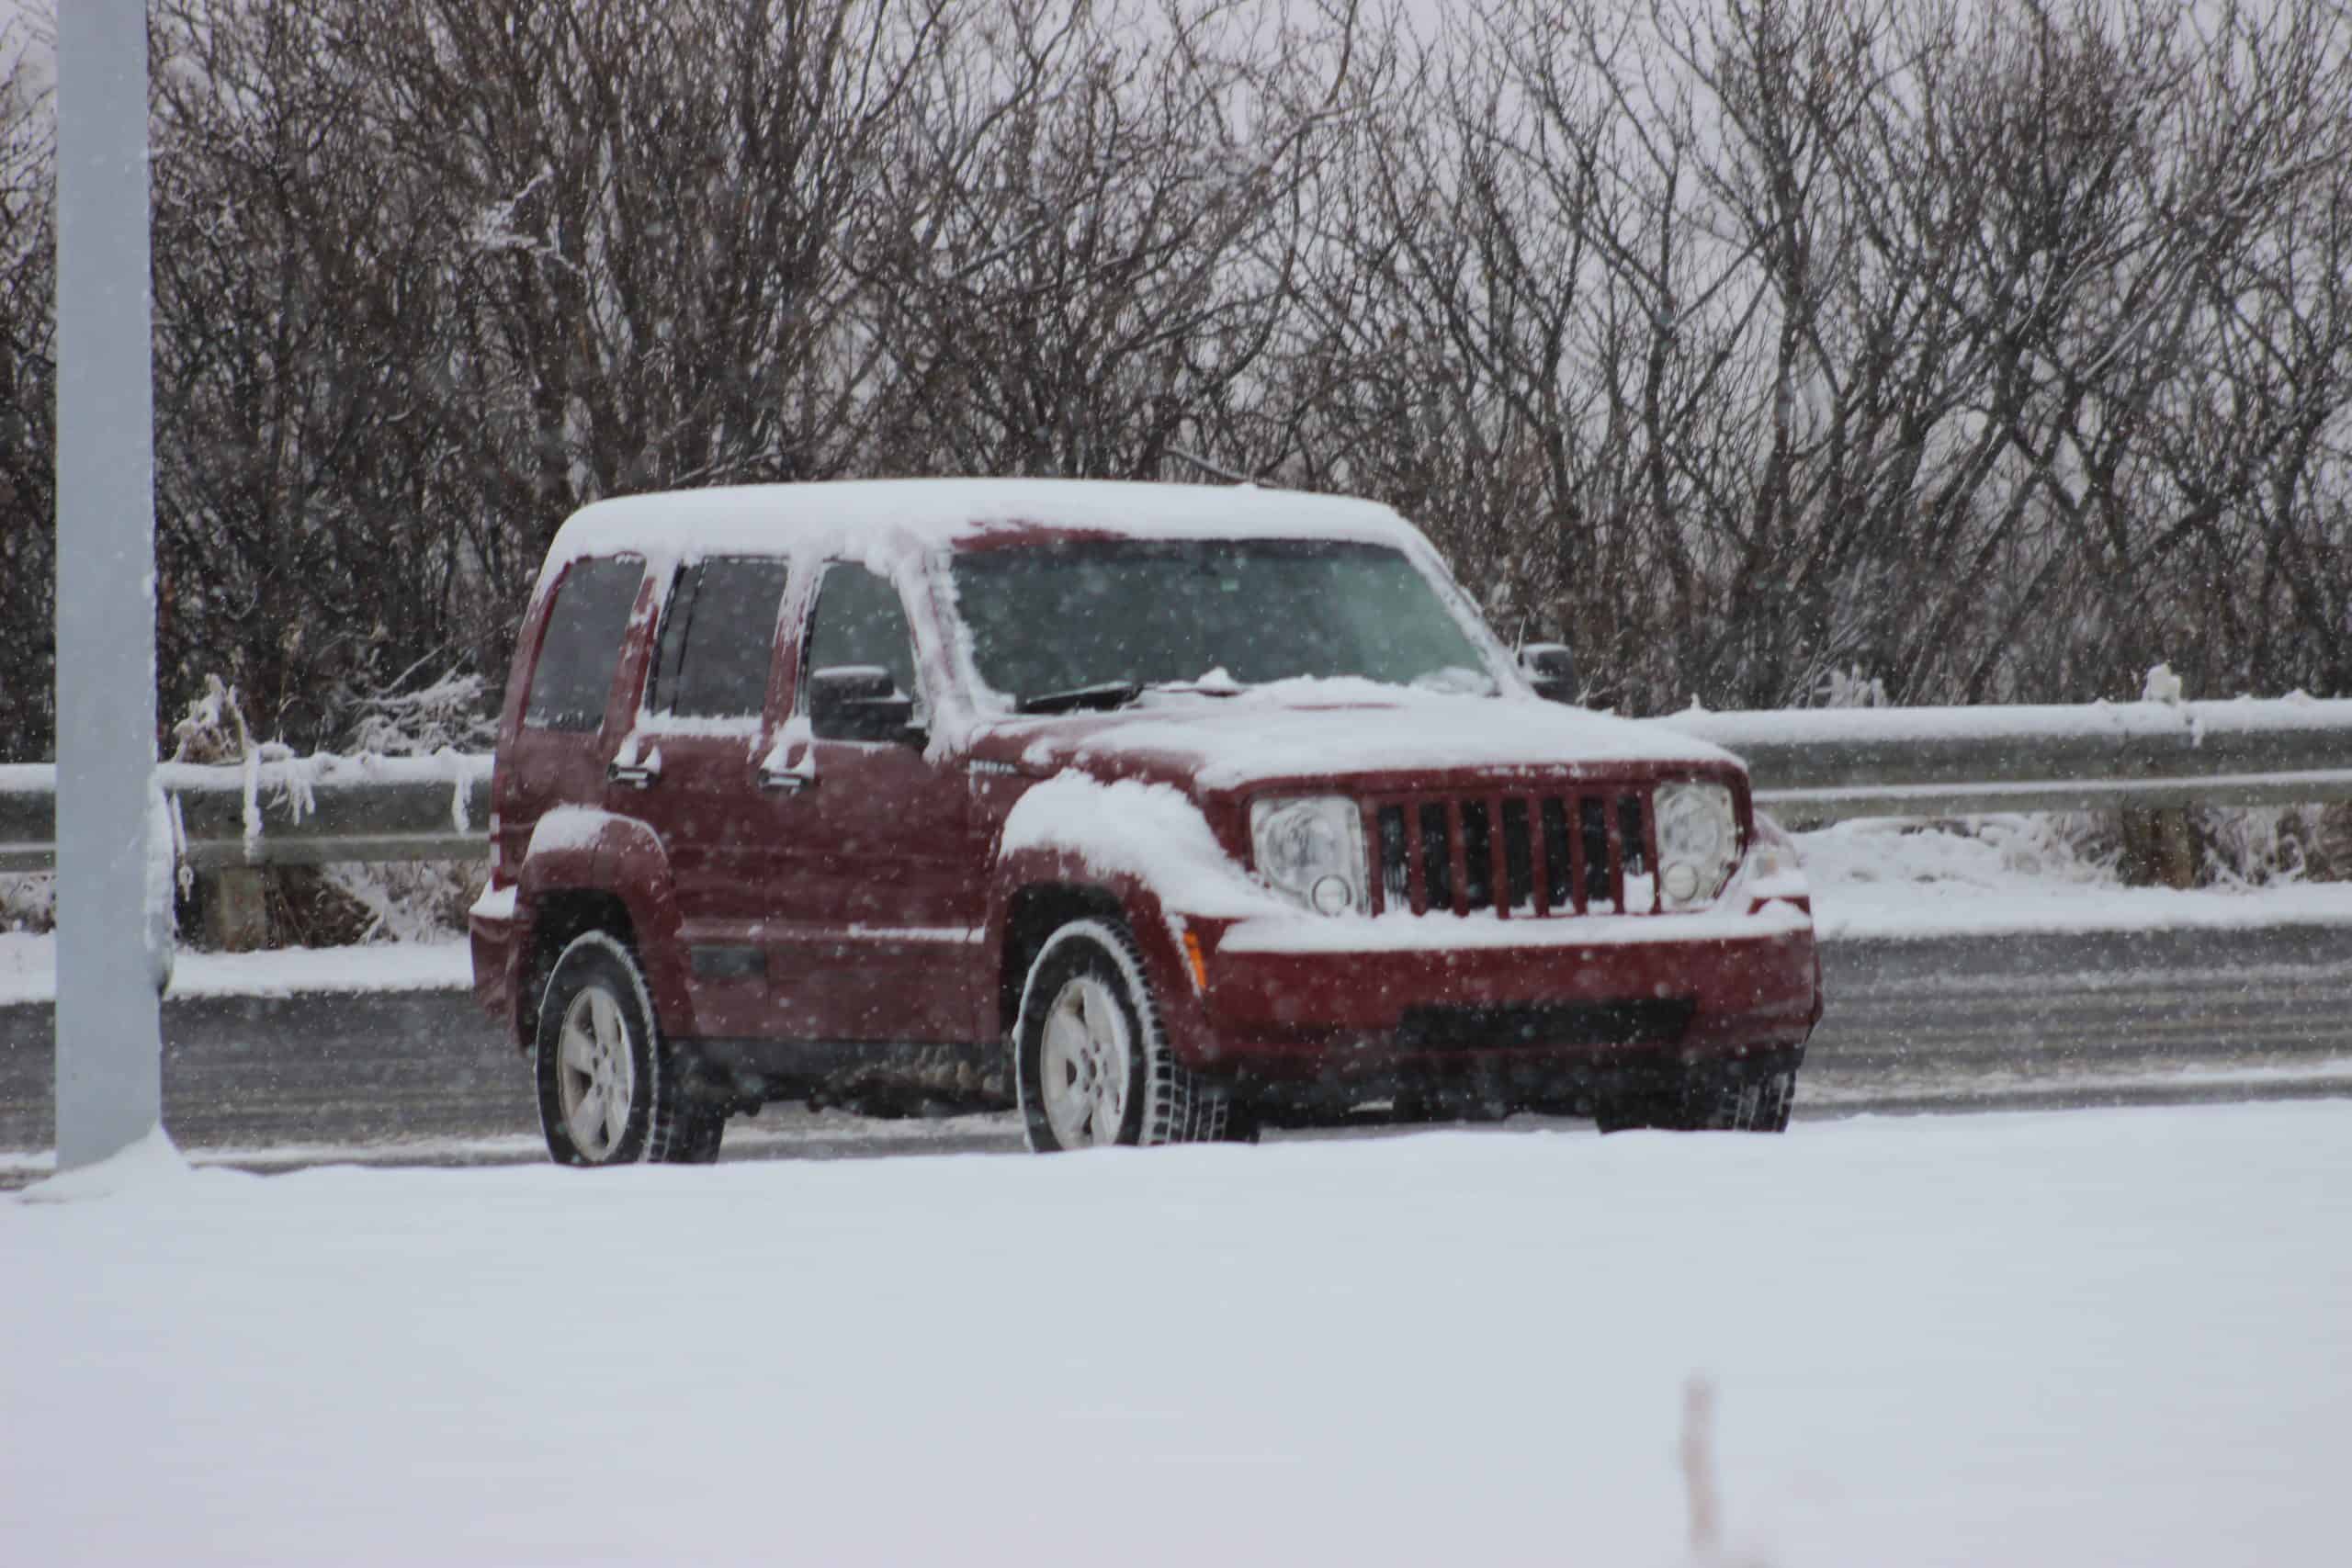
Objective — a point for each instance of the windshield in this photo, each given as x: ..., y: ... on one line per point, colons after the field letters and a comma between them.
x: 1072, y: 616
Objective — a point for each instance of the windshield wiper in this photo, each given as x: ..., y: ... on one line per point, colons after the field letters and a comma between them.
x: 1105, y: 694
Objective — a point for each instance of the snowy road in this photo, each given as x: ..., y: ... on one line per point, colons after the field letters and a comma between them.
x: 1968, y: 1023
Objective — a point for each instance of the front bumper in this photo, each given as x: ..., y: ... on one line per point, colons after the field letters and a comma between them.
x: 1544, y: 1008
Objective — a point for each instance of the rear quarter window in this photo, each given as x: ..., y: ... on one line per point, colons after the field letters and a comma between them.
x: 581, y: 645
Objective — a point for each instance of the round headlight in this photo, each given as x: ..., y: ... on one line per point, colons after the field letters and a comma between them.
x: 1310, y: 849
x: 1698, y: 840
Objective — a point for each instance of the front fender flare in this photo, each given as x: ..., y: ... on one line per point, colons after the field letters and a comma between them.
x: 1157, y: 929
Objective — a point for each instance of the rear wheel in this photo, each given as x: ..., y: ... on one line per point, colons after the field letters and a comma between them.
x: 1091, y: 1061
x: 610, y: 1090
x: 1704, y: 1101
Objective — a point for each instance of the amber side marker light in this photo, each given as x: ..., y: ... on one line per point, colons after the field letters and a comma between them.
x: 1200, y: 963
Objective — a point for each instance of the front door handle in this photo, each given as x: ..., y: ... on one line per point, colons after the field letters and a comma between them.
x: 633, y: 775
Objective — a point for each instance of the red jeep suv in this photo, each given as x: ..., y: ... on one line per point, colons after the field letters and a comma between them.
x: 1161, y: 812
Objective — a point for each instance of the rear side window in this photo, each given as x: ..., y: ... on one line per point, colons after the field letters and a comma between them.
x: 581, y: 645
x: 717, y: 639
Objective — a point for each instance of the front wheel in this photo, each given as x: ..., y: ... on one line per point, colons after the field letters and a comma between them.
x: 1704, y: 1101
x: 609, y: 1092
x: 1092, y: 1065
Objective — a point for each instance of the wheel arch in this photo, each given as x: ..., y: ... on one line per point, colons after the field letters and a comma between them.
x: 560, y: 916
x: 1058, y: 890
x: 1031, y: 915
x: 597, y: 870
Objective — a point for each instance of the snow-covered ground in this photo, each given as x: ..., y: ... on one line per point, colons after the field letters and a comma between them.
x: 2118, y: 1336
x: 1883, y: 878
x: 1889, y: 878
x: 29, y: 969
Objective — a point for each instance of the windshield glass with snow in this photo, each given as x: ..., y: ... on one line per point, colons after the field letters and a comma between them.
x: 1097, y: 616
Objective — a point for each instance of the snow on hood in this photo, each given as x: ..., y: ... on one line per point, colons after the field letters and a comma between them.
x: 1146, y: 829
x: 1303, y: 728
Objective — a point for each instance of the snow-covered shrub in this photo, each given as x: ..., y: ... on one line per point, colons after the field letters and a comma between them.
x: 342, y: 903
x: 409, y: 901
x: 213, y: 730
x: 28, y: 901
x: 424, y: 900
x: 1850, y: 689
x: 2257, y: 846
x: 1989, y: 852
x: 448, y: 716
x: 2233, y: 847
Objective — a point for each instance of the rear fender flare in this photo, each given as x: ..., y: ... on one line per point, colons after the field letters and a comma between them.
x: 579, y: 849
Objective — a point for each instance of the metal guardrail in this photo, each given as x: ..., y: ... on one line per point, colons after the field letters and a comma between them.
x: 1809, y: 767
x: 1826, y: 765
x: 301, y: 813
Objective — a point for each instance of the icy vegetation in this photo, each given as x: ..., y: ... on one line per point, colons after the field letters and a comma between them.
x: 28, y: 902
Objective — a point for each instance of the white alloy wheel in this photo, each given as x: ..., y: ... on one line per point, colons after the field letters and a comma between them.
x: 597, y: 1074
x: 611, y: 1089
x: 1090, y: 1060
x: 1087, y: 1058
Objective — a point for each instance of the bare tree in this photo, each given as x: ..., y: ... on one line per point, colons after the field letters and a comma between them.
x: 1985, y: 351
x: 1090, y: 235
x: 27, y: 406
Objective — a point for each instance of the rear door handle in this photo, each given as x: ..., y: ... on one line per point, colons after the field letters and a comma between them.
x: 635, y: 775
x: 789, y: 781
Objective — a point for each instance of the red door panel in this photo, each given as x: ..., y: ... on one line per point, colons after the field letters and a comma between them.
x: 880, y: 907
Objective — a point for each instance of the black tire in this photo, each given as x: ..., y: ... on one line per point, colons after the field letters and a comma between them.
x: 700, y: 1129
x: 1131, y: 1089
x: 1707, y: 1101
x: 608, y: 1089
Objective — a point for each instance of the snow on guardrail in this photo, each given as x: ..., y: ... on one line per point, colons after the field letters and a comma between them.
x: 1826, y: 764
x: 302, y: 811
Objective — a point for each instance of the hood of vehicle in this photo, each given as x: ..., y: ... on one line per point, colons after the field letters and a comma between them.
x: 1328, y: 731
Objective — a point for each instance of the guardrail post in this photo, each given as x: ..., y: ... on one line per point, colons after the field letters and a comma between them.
x: 2158, y: 847
x: 2176, y: 849
x: 235, y: 901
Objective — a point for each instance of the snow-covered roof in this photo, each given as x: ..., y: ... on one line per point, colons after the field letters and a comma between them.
x: 879, y: 520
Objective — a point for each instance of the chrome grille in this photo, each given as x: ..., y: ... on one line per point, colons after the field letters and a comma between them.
x: 1549, y: 852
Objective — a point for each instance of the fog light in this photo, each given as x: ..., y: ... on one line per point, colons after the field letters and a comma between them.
x: 1332, y: 895
x: 1681, y: 881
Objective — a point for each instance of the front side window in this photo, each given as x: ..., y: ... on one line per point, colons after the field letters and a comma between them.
x: 719, y: 639
x: 860, y: 621
x: 581, y: 645
x: 1094, y: 616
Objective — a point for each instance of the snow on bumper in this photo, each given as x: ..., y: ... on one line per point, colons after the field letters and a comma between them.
x: 1283, y: 995
x: 1483, y: 932
x: 490, y: 930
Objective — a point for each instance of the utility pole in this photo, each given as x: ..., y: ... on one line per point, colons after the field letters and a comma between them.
x: 113, y: 950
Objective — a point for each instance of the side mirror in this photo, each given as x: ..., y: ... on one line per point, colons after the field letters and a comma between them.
x: 859, y: 701
x: 1551, y: 668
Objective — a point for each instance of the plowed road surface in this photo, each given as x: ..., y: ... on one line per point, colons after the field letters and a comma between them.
x: 1927, y: 1025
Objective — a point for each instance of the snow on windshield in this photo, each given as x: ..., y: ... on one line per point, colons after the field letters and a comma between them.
x: 1080, y: 616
